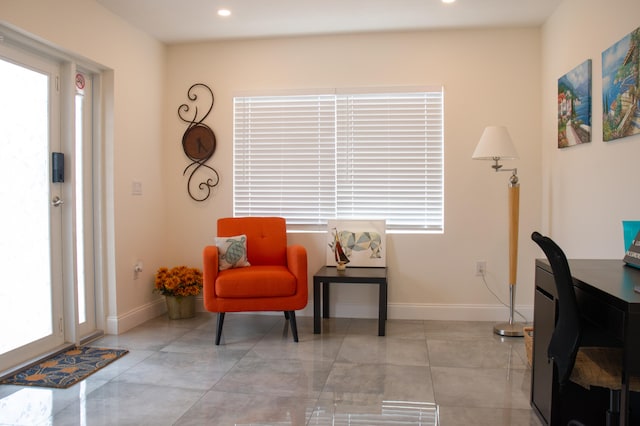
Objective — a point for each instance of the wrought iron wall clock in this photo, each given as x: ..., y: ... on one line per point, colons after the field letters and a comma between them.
x: 199, y: 144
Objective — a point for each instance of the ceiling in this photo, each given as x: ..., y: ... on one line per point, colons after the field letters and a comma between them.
x: 179, y: 21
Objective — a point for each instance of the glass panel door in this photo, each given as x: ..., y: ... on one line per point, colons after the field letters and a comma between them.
x: 31, y: 244
x: 83, y: 153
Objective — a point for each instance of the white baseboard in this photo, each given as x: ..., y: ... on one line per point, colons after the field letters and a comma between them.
x: 127, y: 321
x: 457, y: 312
x: 404, y: 311
x: 442, y: 312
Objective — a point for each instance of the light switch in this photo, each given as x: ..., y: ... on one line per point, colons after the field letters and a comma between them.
x: 136, y: 188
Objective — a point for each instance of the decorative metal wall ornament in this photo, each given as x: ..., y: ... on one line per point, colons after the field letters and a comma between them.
x: 199, y: 144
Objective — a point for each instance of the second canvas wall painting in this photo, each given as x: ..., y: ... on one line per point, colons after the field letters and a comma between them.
x: 574, y: 106
x: 621, y: 88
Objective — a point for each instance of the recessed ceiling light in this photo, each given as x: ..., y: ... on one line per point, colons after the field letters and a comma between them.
x: 224, y: 12
x: 448, y: 1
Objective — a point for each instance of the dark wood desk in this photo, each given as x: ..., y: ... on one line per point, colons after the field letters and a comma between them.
x: 606, y: 297
x: 353, y: 275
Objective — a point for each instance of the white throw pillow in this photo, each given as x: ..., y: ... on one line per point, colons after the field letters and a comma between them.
x: 232, y: 252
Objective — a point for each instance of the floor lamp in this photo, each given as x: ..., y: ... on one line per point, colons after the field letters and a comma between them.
x: 496, y: 144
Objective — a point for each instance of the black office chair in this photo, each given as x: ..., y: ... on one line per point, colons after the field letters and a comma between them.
x: 594, y: 366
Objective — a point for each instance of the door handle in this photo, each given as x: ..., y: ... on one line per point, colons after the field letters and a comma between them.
x: 57, y: 201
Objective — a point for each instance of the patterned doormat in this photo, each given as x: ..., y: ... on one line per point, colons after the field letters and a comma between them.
x: 65, y: 369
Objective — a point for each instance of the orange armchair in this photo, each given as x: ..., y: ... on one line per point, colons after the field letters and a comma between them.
x: 276, y: 279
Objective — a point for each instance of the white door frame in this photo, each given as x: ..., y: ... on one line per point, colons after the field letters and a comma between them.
x: 63, y: 121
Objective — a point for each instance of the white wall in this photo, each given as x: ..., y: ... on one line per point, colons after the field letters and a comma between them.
x: 588, y: 189
x: 490, y: 77
x: 134, y: 70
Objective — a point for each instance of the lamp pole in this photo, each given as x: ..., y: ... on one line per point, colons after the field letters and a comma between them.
x: 512, y: 328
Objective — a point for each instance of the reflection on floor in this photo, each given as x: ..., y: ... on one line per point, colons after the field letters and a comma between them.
x: 392, y: 413
x: 421, y: 373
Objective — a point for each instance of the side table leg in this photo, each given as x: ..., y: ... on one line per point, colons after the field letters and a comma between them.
x: 382, y: 309
x: 325, y: 300
x: 316, y: 306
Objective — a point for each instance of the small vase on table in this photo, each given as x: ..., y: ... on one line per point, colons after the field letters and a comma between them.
x: 338, y: 251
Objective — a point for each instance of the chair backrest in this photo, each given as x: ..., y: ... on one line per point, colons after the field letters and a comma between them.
x: 266, y: 237
x: 565, y: 340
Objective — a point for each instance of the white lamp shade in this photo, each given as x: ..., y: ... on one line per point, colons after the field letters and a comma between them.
x: 495, y: 142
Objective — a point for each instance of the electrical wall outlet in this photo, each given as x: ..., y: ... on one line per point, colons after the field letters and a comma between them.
x: 481, y: 268
x: 137, y: 268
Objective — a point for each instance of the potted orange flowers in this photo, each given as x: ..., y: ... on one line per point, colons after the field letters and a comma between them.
x: 179, y: 285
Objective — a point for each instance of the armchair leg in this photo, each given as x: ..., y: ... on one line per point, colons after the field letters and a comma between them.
x: 292, y: 321
x: 286, y: 315
x: 219, y: 327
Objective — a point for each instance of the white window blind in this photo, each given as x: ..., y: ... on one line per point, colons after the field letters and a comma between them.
x: 309, y: 158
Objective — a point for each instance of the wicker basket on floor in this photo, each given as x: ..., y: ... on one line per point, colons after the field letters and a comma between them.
x: 528, y: 343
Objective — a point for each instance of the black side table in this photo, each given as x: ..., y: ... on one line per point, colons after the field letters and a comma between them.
x: 352, y: 275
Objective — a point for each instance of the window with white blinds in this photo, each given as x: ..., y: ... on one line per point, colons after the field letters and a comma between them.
x: 310, y: 158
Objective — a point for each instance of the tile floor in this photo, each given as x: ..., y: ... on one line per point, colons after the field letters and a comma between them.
x: 422, y: 373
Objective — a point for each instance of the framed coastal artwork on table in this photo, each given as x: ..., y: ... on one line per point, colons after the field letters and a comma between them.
x: 362, y: 242
x: 574, y: 106
x: 621, y: 88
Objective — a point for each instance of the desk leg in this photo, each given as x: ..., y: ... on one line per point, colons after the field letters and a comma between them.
x: 382, y: 308
x: 316, y: 306
x: 624, y: 402
x: 325, y: 300
x: 631, y: 366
